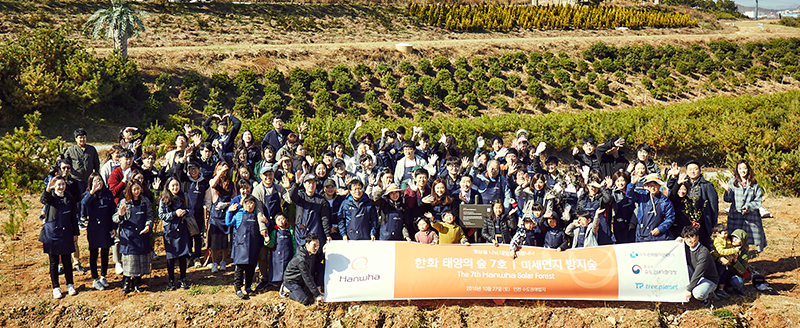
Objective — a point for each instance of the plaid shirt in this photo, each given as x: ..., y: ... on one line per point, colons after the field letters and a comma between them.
x: 749, y: 197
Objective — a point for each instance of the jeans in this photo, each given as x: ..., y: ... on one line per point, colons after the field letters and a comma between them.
x: 298, y: 293
x: 703, y: 289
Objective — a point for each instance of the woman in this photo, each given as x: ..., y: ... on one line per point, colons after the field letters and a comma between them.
x: 597, y: 198
x: 533, y: 190
x: 439, y: 200
x: 391, y: 212
x: 243, y: 173
x: 321, y: 172
x: 174, y: 211
x: 253, y: 150
x: 218, y: 197
x: 240, y: 157
x: 112, y: 162
x: 97, y: 210
x: 59, y: 232
x: 135, y: 218
x: 498, y: 227
x: 745, y: 197
x: 677, y: 195
x: 623, y: 207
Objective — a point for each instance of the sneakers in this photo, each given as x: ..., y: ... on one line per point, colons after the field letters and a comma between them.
x: 138, y: 289
x: 242, y: 296
x: 184, y: 284
x: 222, y: 266
x: 197, y: 264
x: 262, y: 286
x: 213, y: 267
x: 104, y: 282
x: 71, y: 290
x: 126, y: 286
x: 171, y: 285
x: 57, y: 293
x: 283, y: 291
x: 248, y: 291
x: 98, y: 285
x: 118, y: 268
x: 78, y: 269
x: 722, y: 293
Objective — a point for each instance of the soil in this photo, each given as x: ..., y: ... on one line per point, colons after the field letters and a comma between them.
x: 27, y: 300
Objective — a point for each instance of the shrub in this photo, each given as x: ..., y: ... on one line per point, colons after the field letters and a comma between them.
x: 362, y: 71
x: 405, y: 67
x: 573, y: 103
x: 395, y: 94
x: 299, y: 76
x: 383, y: 69
x: 500, y: 103
x: 398, y: 109
x: 514, y: 81
x: 497, y: 85
x: 424, y: 66
x: 582, y: 87
x: 607, y: 100
x: 461, y: 63
x: 220, y: 80
x: 319, y: 85
x: 388, y: 81
x: 602, y: 86
x: 440, y: 62
x: 590, y: 100
x: 535, y: 88
x: 413, y: 93
x: 461, y: 74
x: 318, y: 73
x: 453, y: 99
x: 274, y: 76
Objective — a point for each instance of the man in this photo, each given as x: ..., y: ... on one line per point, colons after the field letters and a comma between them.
x: 310, y: 209
x: 492, y: 185
x: 269, y: 195
x: 359, y: 218
x: 303, y: 272
x: 612, y: 158
x: 703, y: 197
x: 703, y: 272
x: 83, y: 159
x: 655, y: 213
x: 644, y: 154
x: 278, y: 136
x: 589, y: 157
x: 403, y: 172
x: 226, y: 138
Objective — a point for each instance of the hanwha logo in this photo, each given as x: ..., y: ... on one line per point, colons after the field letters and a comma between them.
x: 634, y: 255
x: 360, y: 264
x: 636, y: 269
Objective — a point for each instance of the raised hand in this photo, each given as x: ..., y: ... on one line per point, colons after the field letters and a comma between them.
x: 122, y: 210
x: 302, y: 128
x: 674, y: 170
x: 541, y: 148
x: 358, y: 124
x: 465, y: 162
x: 724, y: 185
x: 137, y: 143
x: 575, y: 151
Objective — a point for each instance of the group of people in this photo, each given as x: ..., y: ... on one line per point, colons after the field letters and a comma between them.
x: 272, y: 207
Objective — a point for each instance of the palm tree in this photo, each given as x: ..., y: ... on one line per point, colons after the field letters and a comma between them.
x: 119, y: 23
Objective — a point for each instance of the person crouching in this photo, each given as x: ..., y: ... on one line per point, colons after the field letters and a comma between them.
x: 299, y: 283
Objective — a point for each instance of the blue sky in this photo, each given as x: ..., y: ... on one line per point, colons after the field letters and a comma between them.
x: 771, y: 4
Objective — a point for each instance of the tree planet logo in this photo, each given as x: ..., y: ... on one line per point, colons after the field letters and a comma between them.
x: 360, y: 264
x: 636, y: 269
x: 634, y: 254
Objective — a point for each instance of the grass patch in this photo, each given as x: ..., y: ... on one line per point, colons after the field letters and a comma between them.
x: 203, y: 290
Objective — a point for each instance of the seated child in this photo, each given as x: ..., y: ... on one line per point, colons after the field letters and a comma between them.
x: 739, y: 268
x: 554, y: 237
x: 525, y: 236
x: 426, y: 235
x: 281, y: 240
x: 449, y: 232
x: 583, y: 230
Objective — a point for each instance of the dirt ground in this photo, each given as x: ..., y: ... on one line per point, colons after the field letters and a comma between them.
x: 27, y: 300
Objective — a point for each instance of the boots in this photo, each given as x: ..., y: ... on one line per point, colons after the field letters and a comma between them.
x: 126, y: 285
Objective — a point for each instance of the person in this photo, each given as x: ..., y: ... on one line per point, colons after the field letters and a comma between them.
x: 60, y: 231
x: 83, y: 158
x: 97, y: 209
x: 554, y: 236
x: 681, y: 203
x: 281, y: 241
x: 278, y: 135
x: 655, y: 213
x: 589, y: 158
x: 723, y: 252
x: 703, y: 199
x: 405, y: 167
x: 310, y: 209
x: 492, y: 185
x: 584, y: 230
x: 300, y: 278
x: 525, y: 235
x: 622, y: 209
x: 111, y: 163
x: 248, y: 143
x: 449, y: 232
x: 533, y: 190
x: 267, y: 160
x: 702, y: 272
x: 120, y: 176
x: 208, y: 156
x: 644, y: 155
x: 72, y: 188
x: 391, y: 212
x: 179, y: 154
x: 359, y: 217
x: 426, y: 235
x: 194, y: 186
x: 333, y: 202
x: 612, y: 157
x: 127, y: 140
x: 135, y: 218
x: 225, y: 137
x: 745, y: 195
x: 739, y: 268
x: 173, y: 210
x: 247, y: 242
x: 498, y: 226
x: 217, y: 199
x: 440, y: 200
x: 597, y: 198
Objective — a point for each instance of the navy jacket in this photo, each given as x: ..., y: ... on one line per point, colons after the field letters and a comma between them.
x: 61, y: 223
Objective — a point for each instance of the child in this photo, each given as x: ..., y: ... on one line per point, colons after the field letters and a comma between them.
x: 426, y: 235
x: 247, y: 241
x: 739, y: 268
x: 449, y: 232
x: 525, y: 236
x: 281, y: 240
x: 584, y: 230
x: 554, y: 237
x: 723, y: 251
